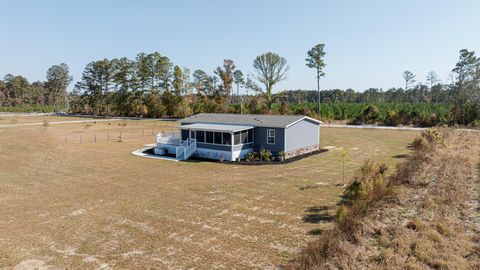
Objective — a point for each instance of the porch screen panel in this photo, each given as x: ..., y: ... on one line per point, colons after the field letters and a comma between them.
x: 227, y: 138
x: 209, y: 137
x: 200, y: 136
x: 244, y: 136
x: 250, y: 135
x: 236, y: 138
x: 217, y: 138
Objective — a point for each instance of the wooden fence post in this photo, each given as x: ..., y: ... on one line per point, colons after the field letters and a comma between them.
x: 95, y: 137
x: 80, y: 139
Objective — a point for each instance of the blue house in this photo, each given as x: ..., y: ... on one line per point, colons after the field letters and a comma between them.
x: 233, y: 136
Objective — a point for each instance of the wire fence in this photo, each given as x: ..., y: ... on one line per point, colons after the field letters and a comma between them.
x: 117, y: 135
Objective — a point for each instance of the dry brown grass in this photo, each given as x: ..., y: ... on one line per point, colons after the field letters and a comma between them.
x: 94, y: 205
x: 425, y: 217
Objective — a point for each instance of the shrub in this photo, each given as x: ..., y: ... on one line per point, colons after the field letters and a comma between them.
x: 251, y: 156
x: 46, y: 123
x: 371, y: 114
x: 475, y: 123
x: 419, y: 143
x: 341, y: 213
x: 428, y: 139
x: 366, y: 183
x: 265, y: 154
x: 366, y: 188
x: 393, y: 119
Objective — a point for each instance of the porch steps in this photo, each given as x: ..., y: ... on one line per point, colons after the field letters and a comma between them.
x: 185, y: 150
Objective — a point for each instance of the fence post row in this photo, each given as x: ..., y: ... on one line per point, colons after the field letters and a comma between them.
x: 152, y: 130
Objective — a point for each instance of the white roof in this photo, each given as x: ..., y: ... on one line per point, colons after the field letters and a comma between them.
x: 216, y: 127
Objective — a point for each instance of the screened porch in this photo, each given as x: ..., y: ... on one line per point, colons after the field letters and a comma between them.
x: 218, y: 136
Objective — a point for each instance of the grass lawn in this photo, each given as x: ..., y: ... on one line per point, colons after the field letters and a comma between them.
x: 9, y: 120
x: 94, y: 205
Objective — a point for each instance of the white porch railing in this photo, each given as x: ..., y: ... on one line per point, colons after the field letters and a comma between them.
x: 186, y: 149
x: 192, y: 147
x: 180, y: 150
x: 172, y: 138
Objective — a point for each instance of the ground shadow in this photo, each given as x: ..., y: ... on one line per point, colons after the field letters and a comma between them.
x: 316, y: 231
x: 410, y: 146
x: 401, y: 156
x: 318, y: 214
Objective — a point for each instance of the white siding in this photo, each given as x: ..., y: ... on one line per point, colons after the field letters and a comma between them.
x: 302, y: 134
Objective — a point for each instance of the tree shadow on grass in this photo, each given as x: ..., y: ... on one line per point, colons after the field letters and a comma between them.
x: 401, y: 156
x: 318, y: 214
x: 316, y: 231
x: 410, y: 146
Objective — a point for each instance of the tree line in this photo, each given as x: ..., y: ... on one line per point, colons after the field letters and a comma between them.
x: 150, y: 85
x: 51, y: 93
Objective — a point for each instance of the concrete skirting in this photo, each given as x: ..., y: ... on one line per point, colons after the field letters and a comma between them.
x: 301, y: 151
x: 140, y: 153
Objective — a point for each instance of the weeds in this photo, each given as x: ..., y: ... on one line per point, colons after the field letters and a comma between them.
x: 420, y: 217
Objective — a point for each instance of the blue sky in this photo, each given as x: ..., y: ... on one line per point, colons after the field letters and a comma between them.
x: 368, y: 43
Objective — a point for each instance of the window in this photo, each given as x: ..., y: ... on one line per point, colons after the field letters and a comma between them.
x: 271, y: 136
x: 209, y: 137
x: 227, y: 138
x: 200, y: 136
x: 250, y: 135
x: 217, y: 138
x: 192, y: 134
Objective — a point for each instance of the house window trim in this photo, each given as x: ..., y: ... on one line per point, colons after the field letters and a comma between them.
x: 270, y: 136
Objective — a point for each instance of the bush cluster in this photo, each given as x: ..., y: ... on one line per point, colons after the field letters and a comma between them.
x: 262, y: 155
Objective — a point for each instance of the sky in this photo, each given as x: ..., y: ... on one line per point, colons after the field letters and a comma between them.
x: 368, y: 43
